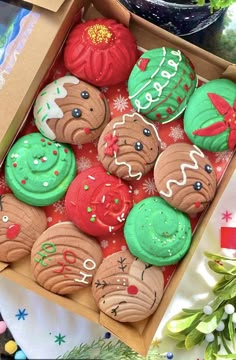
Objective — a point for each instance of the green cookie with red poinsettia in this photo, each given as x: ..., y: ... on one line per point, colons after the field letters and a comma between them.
x: 210, y: 116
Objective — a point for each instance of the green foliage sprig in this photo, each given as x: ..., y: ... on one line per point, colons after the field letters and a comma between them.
x: 215, y: 323
x: 217, y: 4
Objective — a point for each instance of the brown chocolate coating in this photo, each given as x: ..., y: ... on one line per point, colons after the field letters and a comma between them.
x: 21, y: 225
x: 129, y: 146
x: 64, y: 260
x: 127, y: 289
x: 185, y: 178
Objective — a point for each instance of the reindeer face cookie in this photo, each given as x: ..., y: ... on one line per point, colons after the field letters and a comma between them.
x: 126, y: 289
x: 20, y: 226
x: 129, y: 146
x: 71, y: 111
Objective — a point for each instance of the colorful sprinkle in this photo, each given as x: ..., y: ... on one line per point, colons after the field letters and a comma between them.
x: 45, y: 183
x: 20, y: 355
x: 56, y: 172
x: 86, y: 187
x: 10, y: 347
x: 23, y: 181
x: 15, y: 164
x: 116, y: 201
x: 3, y: 327
x: 54, y: 152
x: 89, y: 209
x: 92, y: 219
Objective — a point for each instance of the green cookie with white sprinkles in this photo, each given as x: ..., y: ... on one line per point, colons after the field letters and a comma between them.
x: 161, y: 83
x: 39, y: 171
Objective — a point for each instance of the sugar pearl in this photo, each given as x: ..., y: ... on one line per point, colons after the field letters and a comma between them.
x: 229, y: 309
x: 209, y: 337
x: 220, y: 326
x: 207, y: 310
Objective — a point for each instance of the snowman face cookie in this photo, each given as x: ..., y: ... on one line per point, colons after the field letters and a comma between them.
x: 126, y: 289
x: 71, y: 111
x: 129, y: 146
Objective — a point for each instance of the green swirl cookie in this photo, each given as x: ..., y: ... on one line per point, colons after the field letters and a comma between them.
x: 157, y: 233
x: 39, y: 171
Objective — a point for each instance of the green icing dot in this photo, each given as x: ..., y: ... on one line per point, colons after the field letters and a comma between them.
x: 93, y: 219
x: 89, y: 209
x: 116, y: 201
x: 86, y: 187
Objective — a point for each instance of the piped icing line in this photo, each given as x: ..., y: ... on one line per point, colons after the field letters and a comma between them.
x: 197, y: 152
x: 138, y: 174
x: 157, y: 86
x: 45, y: 106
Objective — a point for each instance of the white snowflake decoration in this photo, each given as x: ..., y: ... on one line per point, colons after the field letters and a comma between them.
x: 163, y: 145
x: 83, y: 163
x: 123, y: 247
x: 176, y: 132
x: 3, y: 182
x: 149, y: 186
x: 136, y: 191
x: 49, y: 219
x: 120, y: 103
x: 80, y: 146
x: 59, y: 206
x: 223, y: 156
x: 104, y: 244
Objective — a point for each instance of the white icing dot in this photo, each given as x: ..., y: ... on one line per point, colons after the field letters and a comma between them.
x: 36, y: 162
x: 45, y: 183
x: 26, y: 141
x: 45, y: 158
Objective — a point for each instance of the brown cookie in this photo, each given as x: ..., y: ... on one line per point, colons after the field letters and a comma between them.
x: 185, y: 178
x: 64, y: 260
x: 71, y: 111
x: 127, y: 289
x: 21, y: 225
x: 129, y: 146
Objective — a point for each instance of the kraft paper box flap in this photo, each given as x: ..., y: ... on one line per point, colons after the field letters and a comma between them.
x: 230, y: 72
x: 3, y: 266
x: 52, y: 5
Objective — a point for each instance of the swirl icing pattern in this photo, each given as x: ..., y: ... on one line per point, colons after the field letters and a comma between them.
x: 161, y: 84
x: 157, y: 233
x: 98, y: 202
x: 39, y: 171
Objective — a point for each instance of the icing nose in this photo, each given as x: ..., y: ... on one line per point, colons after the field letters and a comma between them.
x: 13, y: 231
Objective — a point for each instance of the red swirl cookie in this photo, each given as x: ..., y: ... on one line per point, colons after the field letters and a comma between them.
x: 129, y: 146
x: 185, y: 178
x: 101, y: 51
x: 98, y: 202
x: 127, y: 289
x: 71, y: 111
x: 21, y: 225
x: 64, y: 260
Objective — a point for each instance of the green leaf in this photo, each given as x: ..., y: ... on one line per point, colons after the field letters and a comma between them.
x: 193, y: 338
x: 210, y: 322
x: 179, y: 325
x: 218, y: 257
x: 224, y: 282
x: 180, y: 345
x: 211, y: 349
x: 231, y: 331
x: 191, y: 311
x: 229, y: 356
x: 217, y: 268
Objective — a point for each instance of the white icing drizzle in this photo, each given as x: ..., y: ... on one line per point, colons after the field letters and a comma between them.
x: 45, y: 106
x: 183, y: 167
x: 156, y: 85
x: 138, y: 174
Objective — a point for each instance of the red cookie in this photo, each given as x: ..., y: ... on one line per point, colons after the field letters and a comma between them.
x: 64, y: 260
x: 97, y: 202
x: 21, y: 224
x: 127, y: 289
x: 101, y: 52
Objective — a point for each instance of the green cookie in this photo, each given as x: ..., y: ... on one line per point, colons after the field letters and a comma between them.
x: 157, y: 233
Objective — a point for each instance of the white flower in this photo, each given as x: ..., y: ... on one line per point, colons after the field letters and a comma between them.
x: 120, y: 103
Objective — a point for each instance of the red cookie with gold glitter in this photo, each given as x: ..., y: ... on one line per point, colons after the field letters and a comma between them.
x: 101, y: 51
x: 161, y: 84
x: 71, y: 111
x: 98, y: 202
x: 129, y: 146
x: 185, y: 178
x: 21, y: 225
x: 127, y: 289
x: 64, y: 259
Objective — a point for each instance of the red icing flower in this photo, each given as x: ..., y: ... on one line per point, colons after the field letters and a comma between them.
x: 229, y: 120
x: 111, y: 147
x: 142, y: 64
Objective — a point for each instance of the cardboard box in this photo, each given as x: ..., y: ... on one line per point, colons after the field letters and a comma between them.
x: 136, y: 335
x: 28, y: 57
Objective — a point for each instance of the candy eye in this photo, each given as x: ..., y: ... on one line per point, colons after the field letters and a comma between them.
x: 5, y: 218
x: 197, y: 185
x: 146, y: 132
x: 138, y: 146
x: 76, y: 113
x: 84, y: 94
x: 208, y: 168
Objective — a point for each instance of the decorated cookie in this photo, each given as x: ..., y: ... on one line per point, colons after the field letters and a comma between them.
x: 39, y: 171
x: 64, y: 260
x: 157, y: 233
x: 210, y: 118
x: 127, y: 289
x: 98, y: 202
x: 71, y: 111
x: 21, y: 225
x: 161, y: 84
x: 185, y: 178
x: 101, y: 51
x: 129, y: 146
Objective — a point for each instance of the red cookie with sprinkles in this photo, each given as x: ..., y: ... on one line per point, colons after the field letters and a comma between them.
x: 127, y: 289
x: 101, y: 51
x: 64, y: 259
x: 98, y: 202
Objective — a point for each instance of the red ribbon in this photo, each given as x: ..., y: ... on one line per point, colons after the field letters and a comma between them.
x: 228, y: 237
